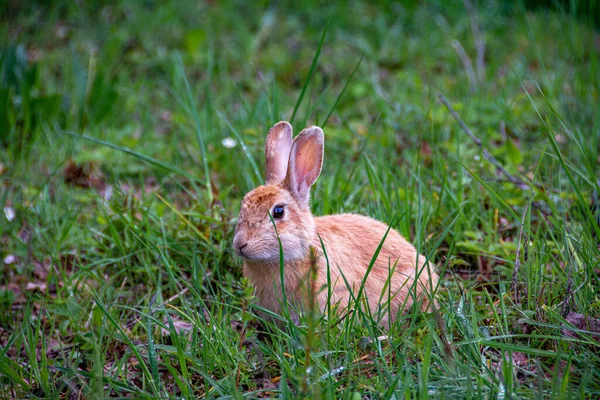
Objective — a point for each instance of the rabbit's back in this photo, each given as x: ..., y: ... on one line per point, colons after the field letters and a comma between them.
x: 350, y: 242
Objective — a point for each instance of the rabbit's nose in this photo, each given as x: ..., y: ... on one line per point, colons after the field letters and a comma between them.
x: 239, y: 249
x: 238, y: 244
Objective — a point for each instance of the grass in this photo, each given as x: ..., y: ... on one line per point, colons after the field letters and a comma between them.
x: 118, y: 277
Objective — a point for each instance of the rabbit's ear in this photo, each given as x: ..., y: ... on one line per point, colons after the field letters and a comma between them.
x: 277, y: 151
x: 306, y: 160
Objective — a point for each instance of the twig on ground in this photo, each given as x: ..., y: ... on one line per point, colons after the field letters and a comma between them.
x: 479, y: 41
x: 566, y: 304
x: 503, y: 131
x: 517, y: 259
x: 488, y: 156
x: 467, y: 64
x: 170, y: 299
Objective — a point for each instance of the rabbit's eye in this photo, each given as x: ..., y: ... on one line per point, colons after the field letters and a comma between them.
x: 278, y: 212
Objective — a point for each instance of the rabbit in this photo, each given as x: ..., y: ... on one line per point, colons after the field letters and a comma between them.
x: 279, y: 212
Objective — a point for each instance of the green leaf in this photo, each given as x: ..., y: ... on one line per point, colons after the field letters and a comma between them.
x: 46, y: 107
x: 193, y: 40
x: 102, y: 99
x: 514, y: 154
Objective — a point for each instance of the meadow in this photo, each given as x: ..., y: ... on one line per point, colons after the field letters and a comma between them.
x: 131, y: 130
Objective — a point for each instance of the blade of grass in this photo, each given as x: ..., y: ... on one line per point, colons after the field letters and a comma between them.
x: 375, y: 255
x: 184, y: 219
x: 180, y: 355
x: 343, y: 91
x: 549, y: 133
x: 132, y: 346
x: 245, y: 149
x: 149, y: 160
x: 376, y: 183
x: 152, y: 358
x: 492, y: 192
x: 196, y: 118
x: 582, y: 203
x: 286, y: 312
x: 13, y: 370
x: 310, y: 72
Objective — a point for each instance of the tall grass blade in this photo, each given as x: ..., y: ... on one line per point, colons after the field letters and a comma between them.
x: 343, y: 91
x: 142, y: 363
x: 313, y: 66
x: 148, y: 159
x: 192, y: 108
x: 245, y: 149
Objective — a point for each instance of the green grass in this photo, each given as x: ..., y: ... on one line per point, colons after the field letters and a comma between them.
x: 118, y: 276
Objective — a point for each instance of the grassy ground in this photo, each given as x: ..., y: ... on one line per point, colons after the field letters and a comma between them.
x: 120, y: 193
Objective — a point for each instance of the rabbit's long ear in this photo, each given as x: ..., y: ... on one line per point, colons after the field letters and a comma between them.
x: 306, y: 160
x: 277, y: 151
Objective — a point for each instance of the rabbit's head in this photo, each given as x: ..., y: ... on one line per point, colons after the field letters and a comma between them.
x: 281, y: 206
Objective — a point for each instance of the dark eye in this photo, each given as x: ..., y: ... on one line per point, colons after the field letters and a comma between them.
x: 278, y: 212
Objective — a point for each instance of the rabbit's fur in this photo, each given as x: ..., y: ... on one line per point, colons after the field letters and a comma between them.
x: 350, y: 240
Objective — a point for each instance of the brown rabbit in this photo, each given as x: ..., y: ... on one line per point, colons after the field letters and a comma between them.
x: 350, y: 240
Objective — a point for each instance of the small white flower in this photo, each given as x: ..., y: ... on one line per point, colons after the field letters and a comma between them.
x: 476, y: 157
x: 9, y: 212
x: 228, y: 142
x: 9, y: 259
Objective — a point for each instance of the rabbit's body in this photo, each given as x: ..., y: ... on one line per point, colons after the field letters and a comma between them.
x: 362, y: 236
x: 350, y: 241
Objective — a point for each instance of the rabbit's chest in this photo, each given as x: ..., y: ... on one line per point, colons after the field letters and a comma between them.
x: 268, y: 288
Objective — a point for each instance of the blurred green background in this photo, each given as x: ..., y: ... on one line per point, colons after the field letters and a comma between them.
x: 130, y: 131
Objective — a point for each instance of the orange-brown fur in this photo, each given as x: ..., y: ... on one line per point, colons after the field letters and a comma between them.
x: 350, y: 242
x: 359, y: 236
